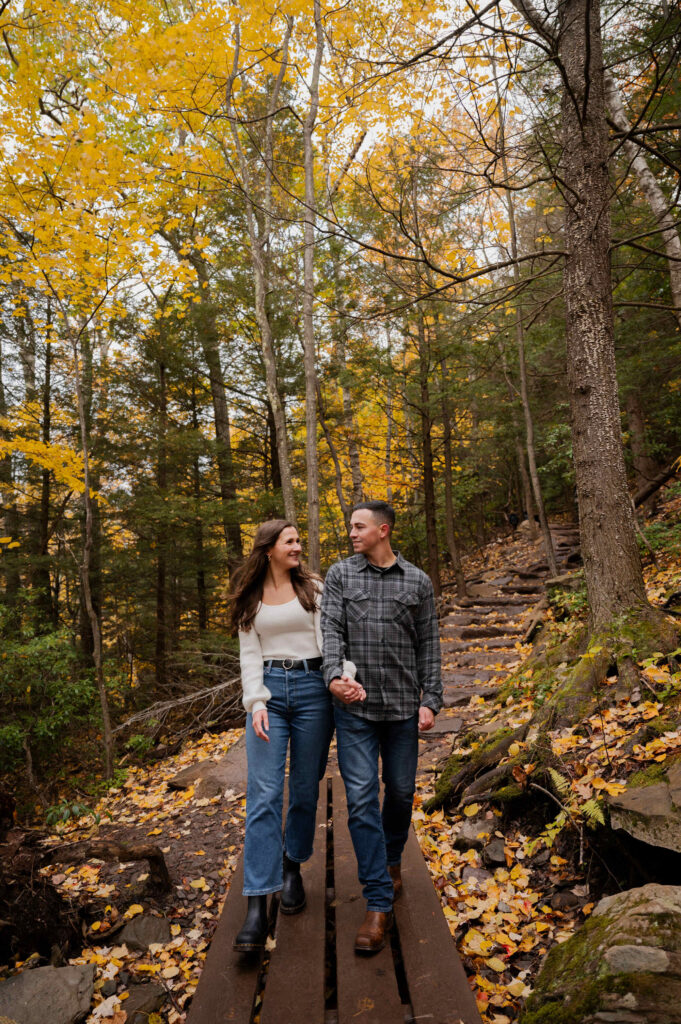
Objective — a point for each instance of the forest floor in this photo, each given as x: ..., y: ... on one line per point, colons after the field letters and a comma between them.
x: 509, y: 889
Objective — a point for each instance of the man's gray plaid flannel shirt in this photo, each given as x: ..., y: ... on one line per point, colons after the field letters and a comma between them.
x: 383, y: 620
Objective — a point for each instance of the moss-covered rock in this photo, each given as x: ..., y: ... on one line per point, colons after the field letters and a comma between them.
x: 650, y: 807
x: 622, y: 965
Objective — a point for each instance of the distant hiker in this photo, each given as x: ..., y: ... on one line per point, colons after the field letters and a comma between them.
x: 275, y: 608
x: 513, y: 519
x: 378, y: 610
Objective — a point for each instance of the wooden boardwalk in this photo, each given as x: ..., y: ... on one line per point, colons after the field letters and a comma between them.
x: 312, y: 974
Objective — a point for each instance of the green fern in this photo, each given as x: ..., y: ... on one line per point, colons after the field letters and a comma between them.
x: 593, y: 813
x: 560, y: 783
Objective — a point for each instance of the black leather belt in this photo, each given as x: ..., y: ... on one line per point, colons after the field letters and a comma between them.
x: 309, y: 664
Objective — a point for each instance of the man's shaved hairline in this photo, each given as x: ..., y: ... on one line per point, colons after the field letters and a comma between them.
x: 379, y: 515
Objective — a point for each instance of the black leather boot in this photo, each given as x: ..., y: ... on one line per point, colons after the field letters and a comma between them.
x: 254, y: 929
x: 292, y: 893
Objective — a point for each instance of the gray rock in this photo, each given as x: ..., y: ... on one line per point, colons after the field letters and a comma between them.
x: 142, y: 931
x: 215, y: 777
x: 444, y: 724
x: 636, y: 959
x: 470, y: 874
x: 143, y: 1000
x: 621, y: 966
x: 493, y: 854
x: 473, y: 833
x: 67, y: 991
x: 109, y: 988
x: 651, y: 813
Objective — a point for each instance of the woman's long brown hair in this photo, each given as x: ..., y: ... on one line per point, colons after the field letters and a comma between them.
x: 249, y: 579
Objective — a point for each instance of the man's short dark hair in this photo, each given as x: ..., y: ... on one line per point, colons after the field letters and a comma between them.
x: 380, y: 510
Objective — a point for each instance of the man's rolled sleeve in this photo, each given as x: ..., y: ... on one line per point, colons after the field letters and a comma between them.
x: 428, y: 655
x: 333, y: 625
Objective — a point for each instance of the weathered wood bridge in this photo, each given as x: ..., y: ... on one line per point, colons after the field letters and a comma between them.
x: 311, y: 975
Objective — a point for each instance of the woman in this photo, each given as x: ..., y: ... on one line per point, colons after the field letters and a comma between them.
x: 276, y: 612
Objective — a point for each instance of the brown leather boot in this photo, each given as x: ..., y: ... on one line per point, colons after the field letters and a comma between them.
x: 371, y: 935
x: 395, y: 872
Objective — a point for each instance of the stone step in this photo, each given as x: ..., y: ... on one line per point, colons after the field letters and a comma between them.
x: 468, y: 632
x: 462, y: 694
x: 466, y: 677
x: 482, y: 658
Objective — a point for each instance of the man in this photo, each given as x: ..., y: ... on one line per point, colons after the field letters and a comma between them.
x: 378, y: 611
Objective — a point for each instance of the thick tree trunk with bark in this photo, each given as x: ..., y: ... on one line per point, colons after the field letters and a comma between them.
x: 612, y: 564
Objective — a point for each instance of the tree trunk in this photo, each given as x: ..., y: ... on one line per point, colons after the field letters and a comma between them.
x: 389, y: 420
x: 520, y: 341
x: 10, y: 518
x: 87, y: 636
x: 612, y: 564
x: 41, y: 579
x: 85, y: 565
x: 346, y: 394
x: 161, y: 557
x: 210, y: 344
x: 427, y: 452
x: 450, y: 534
x: 311, y: 463
x: 660, y: 206
x: 202, y: 604
x: 338, y: 473
x: 259, y: 243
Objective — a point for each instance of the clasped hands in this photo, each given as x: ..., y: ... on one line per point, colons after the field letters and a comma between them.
x: 347, y: 689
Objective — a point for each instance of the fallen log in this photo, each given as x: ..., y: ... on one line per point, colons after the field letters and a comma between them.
x: 109, y: 850
x: 658, y: 481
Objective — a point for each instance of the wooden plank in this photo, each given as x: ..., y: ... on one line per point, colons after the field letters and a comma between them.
x: 367, y: 987
x: 227, y: 985
x: 294, y: 987
x: 438, y: 986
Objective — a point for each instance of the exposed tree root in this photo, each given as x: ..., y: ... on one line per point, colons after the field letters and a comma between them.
x: 580, y: 672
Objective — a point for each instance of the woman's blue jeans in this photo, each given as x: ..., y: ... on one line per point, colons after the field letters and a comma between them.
x: 378, y: 834
x: 299, y: 712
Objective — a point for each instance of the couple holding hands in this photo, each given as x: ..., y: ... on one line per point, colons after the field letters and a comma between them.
x: 360, y: 651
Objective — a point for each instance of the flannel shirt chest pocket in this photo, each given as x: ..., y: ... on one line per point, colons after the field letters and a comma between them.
x: 404, y: 606
x: 356, y: 603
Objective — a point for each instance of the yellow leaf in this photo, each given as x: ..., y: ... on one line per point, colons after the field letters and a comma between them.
x: 133, y: 910
x: 175, y: 929
x: 155, y: 832
x: 95, y: 926
x: 496, y: 964
x: 471, y: 809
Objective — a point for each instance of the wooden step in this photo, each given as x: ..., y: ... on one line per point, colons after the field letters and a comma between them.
x: 312, y: 975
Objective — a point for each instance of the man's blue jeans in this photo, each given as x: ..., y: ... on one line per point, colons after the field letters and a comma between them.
x: 378, y: 836
x: 299, y: 711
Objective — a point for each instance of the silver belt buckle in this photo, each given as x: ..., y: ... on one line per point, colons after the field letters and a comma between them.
x: 290, y: 663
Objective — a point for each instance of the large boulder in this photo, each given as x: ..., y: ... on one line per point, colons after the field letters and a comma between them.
x: 65, y: 991
x: 651, y: 813
x: 622, y: 967
x: 214, y: 778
